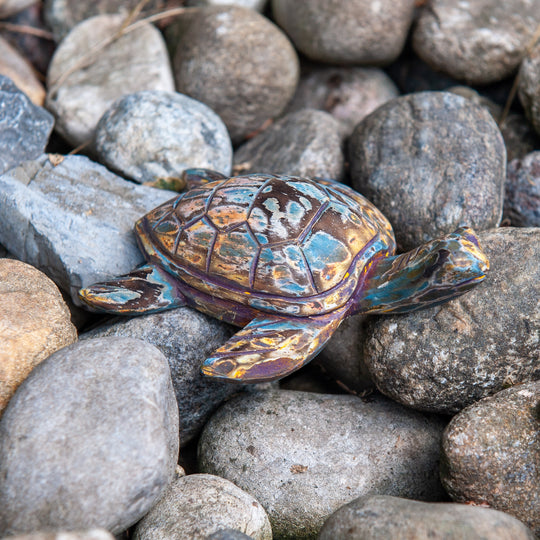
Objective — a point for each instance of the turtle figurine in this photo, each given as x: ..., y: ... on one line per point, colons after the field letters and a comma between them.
x: 287, y: 258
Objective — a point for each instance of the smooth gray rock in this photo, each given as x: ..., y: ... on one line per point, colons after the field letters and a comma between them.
x: 228, y: 534
x: 73, y: 220
x: 379, y: 516
x: 303, y: 455
x: 478, y: 42
x: 430, y: 161
x: 444, y: 358
x: 198, y: 505
x: 529, y: 85
x: 186, y: 337
x: 235, y: 61
x: 522, y: 200
x: 90, y: 439
x: 344, y: 32
x: 91, y: 534
x: 491, y: 453
x: 154, y: 134
x: 24, y: 127
x: 303, y: 143
x: 348, y: 94
x: 257, y: 5
x: 82, y: 82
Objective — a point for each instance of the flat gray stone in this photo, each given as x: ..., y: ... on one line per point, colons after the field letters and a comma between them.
x: 235, y: 61
x: 444, y: 358
x: 24, y: 127
x: 78, y: 94
x: 529, y: 87
x: 199, y: 505
x: 303, y: 143
x: 431, y: 162
x: 478, y: 42
x: 152, y: 134
x: 90, y: 439
x: 74, y: 220
x: 380, y: 516
x: 303, y: 455
x: 186, y: 338
x: 491, y: 453
x: 344, y: 32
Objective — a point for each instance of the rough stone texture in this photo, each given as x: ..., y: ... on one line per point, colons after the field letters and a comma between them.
x: 186, y: 337
x: 198, y: 505
x: 91, y: 534
x: 348, y: 94
x: 34, y: 322
x: 491, y: 453
x: 304, y: 143
x: 529, y: 86
x: 89, y: 439
x: 152, y: 134
x: 15, y: 66
x: 522, y: 200
x: 63, y: 15
x: 237, y: 62
x: 24, y: 127
x: 345, y: 31
x: 379, y: 516
x: 9, y: 7
x: 228, y: 534
x: 478, y: 42
x: 430, y: 161
x: 447, y: 357
x: 74, y: 220
x: 303, y: 455
x: 257, y: 5
x: 78, y: 94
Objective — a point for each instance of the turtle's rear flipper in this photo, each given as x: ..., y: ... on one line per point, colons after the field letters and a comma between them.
x: 144, y: 290
x: 271, y: 347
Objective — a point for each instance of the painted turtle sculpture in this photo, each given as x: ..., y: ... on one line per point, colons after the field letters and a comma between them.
x: 286, y: 258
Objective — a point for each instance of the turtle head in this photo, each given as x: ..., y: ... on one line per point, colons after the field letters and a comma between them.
x: 428, y: 275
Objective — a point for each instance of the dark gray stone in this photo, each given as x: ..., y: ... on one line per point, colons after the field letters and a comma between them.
x: 522, y: 200
x: 444, y: 358
x: 186, y: 337
x: 303, y: 455
x: 491, y: 453
x: 83, y: 82
x: 344, y: 32
x: 348, y: 94
x: 73, y: 219
x: 198, y: 505
x: 237, y: 62
x: 153, y: 134
x: 304, y: 143
x: 24, y: 127
x: 478, y: 42
x: 431, y: 162
x: 90, y: 439
x: 529, y: 86
x: 379, y: 516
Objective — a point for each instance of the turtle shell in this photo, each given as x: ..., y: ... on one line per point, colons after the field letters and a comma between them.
x: 276, y: 243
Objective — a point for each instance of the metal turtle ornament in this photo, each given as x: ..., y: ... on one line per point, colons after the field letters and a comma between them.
x: 287, y: 259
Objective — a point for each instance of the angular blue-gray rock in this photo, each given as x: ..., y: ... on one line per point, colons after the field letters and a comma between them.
x: 303, y: 455
x: 529, y: 86
x: 303, y: 143
x: 186, y: 337
x: 380, y: 516
x: 491, y: 453
x: 198, y: 505
x: 153, y: 134
x: 83, y: 82
x: 431, y: 162
x: 90, y: 439
x: 73, y: 219
x: 445, y: 358
x: 24, y: 127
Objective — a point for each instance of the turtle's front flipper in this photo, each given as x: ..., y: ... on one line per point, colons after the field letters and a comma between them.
x: 144, y: 290
x: 270, y: 347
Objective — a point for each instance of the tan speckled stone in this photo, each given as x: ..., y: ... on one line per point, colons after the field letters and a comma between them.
x: 34, y: 322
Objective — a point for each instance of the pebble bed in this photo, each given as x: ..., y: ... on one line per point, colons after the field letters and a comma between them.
x: 425, y: 425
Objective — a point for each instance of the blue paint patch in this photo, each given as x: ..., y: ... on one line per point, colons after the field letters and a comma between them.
x: 322, y: 249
